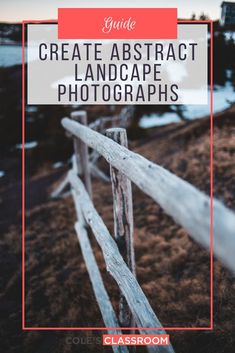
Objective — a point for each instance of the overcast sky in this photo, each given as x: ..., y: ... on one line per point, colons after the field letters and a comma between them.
x: 17, y: 10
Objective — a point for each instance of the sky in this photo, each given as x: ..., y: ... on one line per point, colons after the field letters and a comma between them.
x: 18, y: 10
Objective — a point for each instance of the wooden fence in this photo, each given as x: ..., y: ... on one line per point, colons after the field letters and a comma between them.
x: 189, y: 207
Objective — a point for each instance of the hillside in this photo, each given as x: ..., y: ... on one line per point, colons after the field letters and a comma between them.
x: 172, y: 270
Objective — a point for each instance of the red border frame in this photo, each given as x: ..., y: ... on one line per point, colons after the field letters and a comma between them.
x: 210, y: 328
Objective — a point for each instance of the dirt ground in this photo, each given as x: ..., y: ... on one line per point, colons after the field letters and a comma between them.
x: 172, y: 270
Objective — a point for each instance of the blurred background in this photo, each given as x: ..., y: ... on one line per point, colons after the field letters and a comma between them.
x: 43, y: 130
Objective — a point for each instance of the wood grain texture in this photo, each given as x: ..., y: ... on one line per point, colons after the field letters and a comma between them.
x: 123, y: 219
x: 188, y: 206
x: 58, y: 191
x: 116, y: 266
x: 101, y: 294
x: 123, y: 119
x: 81, y: 151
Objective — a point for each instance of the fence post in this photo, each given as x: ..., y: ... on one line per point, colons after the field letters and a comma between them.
x: 123, y: 219
x: 81, y: 151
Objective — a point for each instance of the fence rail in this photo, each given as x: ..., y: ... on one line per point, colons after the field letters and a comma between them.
x: 189, y: 207
x: 116, y: 266
x: 101, y: 294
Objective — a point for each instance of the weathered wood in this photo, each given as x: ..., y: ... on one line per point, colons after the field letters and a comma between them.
x: 94, y: 156
x: 121, y: 120
x: 188, y: 206
x: 57, y: 192
x: 108, y: 314
x: 123, y: 219
x: 76, y: 165
x: 81, y: 150
x: 116, y: 266
x: 101, y: 294
x: 100, y: 124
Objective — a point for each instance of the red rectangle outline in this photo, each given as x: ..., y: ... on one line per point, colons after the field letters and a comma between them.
x: 210, y: 328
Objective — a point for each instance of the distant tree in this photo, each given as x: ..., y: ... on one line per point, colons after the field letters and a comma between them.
x: 16, y: 34
x: 10, y: 31
x: 193, y: 17
x: 230, y: 52
x: 220, y: 59
x: 203, y: 17
x: 180, y: 110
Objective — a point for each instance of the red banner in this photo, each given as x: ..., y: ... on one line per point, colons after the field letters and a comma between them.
x: 121, y: 23
x: 136, y: 340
